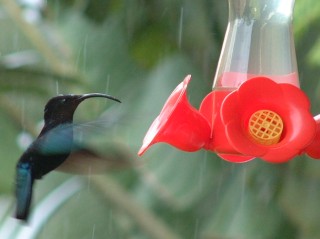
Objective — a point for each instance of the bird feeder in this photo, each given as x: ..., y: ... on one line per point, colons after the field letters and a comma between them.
x: 256, y: 107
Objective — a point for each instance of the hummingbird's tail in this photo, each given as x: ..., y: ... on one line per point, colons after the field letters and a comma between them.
x: 24, y: 183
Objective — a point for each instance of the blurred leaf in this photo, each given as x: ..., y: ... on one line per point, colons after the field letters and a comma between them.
x: 139, y: 51
x: 152, y: 35
x: 247, y: 201
x: 28, y: 79
x: 98, y: 10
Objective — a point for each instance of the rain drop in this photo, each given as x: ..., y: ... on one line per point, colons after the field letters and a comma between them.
x: 180, y: 28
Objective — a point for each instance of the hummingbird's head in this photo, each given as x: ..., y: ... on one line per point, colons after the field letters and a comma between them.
x: 60, y: 109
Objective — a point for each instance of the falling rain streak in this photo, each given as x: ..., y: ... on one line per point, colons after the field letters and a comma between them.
x: 57, y: 87
x: 93, y: 231
x: 107, y: 84
x: 180, y: 28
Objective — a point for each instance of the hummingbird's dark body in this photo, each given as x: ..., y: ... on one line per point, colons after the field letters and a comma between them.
x: 51, y: 148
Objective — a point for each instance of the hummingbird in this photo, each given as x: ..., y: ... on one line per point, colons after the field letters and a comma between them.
x: 50, y: 149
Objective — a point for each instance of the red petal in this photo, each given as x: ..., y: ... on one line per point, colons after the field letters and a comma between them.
x: 300, y: 131
x: 259, y: 90
x: 230, y: 108
x: 313, y: 150
x: 238, y: 139
x: 295, y: 96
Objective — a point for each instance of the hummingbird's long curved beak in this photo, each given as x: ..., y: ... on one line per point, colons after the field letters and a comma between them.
x: 86, y: 96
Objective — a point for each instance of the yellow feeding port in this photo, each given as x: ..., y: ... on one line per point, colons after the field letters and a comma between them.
x: 265, y: 127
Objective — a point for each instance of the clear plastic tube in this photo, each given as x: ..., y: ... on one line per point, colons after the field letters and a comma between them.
x: 258, y: 41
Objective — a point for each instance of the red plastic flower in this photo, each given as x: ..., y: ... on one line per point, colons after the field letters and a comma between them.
x: 313, y: 150
x: 286, y: 101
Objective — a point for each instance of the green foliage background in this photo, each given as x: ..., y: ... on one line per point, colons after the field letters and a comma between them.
x: 138, y: 51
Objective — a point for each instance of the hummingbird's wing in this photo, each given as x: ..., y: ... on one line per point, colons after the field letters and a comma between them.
x: 86, y: 161
x: 68, y: 138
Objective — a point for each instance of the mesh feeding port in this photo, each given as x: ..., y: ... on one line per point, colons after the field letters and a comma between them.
x: 265, y: 127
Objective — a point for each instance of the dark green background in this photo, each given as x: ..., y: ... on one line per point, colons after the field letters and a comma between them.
x: 138, y: 51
